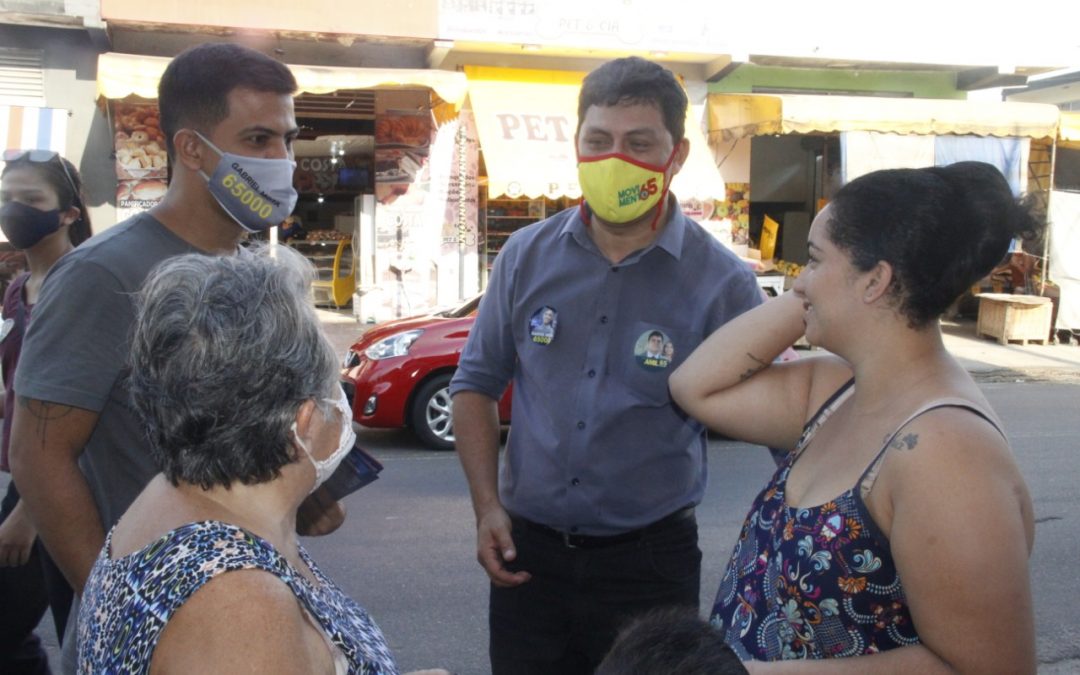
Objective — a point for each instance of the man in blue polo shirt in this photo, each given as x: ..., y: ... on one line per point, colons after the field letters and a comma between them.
x: 592, y: 519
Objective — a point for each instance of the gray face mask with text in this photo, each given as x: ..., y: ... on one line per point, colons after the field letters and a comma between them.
x: 257, y: 193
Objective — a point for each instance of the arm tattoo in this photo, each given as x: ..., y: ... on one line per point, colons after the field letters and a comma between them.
x: 753, y: 370
x: 44, y: 414
x: 44, y: 410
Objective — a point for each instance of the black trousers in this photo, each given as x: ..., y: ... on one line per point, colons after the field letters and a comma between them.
x: 565, y: 618
x: 23, y: 598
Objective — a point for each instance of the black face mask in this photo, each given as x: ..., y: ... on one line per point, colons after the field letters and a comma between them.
x: 24, y: 226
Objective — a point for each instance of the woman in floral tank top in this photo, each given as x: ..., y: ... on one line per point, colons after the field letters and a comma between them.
x: 237, y: 387
x: 894, y: 538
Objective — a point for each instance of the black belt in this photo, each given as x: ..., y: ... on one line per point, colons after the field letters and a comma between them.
x: 590, y: 541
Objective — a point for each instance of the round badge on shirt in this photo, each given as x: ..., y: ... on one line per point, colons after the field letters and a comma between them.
x: 654, y: 350
x: 542, y: 325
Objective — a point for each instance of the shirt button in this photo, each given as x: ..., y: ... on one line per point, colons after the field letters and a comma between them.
x: 575, y: 482
x: 580, y: 425
x: 592, y: 373
x: 603, y: 319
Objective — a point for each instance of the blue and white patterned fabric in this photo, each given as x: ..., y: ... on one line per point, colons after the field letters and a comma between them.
x: 128, y: 601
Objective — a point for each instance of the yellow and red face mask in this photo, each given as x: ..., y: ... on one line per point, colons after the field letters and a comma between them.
x: 620, y: 189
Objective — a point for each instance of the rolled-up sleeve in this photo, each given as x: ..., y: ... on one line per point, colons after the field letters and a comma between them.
x: 487, y: 362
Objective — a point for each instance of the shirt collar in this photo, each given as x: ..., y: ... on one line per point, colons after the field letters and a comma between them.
x: 670, y: 239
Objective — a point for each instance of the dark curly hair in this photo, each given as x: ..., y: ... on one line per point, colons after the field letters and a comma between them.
x: 940, y: 228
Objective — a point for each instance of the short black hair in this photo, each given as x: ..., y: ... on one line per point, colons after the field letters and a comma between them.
x: 633, y: 79
x: 656, y: 333
x: 940, y: 228
x: 69, y: 192
x: 670, y: 640
x: 194, y: 89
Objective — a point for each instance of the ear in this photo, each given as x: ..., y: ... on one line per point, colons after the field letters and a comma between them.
x: 876, y: 282
x: 303, y: 418
x: 70, y: 216
x: 189, y: 149
x: 682, y: 151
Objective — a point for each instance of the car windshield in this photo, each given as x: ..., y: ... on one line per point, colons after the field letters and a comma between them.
x: 463, y: 310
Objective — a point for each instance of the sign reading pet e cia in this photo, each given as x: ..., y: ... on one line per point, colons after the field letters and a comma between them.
x: 530, y: 127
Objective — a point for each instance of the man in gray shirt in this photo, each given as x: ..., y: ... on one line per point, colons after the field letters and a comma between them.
x: 78, y: 454
x: 591, y: 520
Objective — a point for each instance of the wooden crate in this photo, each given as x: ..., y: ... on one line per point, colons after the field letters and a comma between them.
x: 1023, y: 318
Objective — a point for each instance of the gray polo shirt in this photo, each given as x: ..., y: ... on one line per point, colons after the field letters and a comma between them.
x: 596, y: 444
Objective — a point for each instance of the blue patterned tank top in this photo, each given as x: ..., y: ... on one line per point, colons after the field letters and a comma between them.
x: 128, y: 601
x: 816, y: 582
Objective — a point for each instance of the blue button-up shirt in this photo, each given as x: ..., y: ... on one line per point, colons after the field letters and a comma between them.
x: 596, y: 444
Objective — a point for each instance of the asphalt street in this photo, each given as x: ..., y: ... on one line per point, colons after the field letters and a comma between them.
x: 406, y: 551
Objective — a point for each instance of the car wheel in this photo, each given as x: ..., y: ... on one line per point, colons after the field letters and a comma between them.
x: 431, y: 413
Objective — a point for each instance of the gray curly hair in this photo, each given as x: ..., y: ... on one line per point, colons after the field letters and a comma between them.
x: 225, y: 349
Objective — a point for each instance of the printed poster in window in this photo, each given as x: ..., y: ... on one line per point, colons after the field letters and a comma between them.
x: 138, y: 142
x: 403, y: 259
x: 402, y: 142
x: 136, y: 196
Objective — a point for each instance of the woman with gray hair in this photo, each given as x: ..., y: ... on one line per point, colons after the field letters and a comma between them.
x: 237, y: 387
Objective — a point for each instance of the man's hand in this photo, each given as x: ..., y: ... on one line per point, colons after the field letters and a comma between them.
x: 17, y: 536
x: 319, y: 514
x: 494, y: 546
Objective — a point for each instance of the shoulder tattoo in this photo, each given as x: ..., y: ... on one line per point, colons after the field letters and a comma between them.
x: 906, y: 442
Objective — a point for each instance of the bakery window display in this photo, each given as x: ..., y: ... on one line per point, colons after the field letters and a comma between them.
x: 141, y: 158
x: 138, y: 142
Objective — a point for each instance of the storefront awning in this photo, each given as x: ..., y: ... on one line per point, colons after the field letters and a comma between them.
x: 27, y: 128
x: 733, y: 116
x: 1069, y: 131
x: 123, y: 75
x: 526, y: 120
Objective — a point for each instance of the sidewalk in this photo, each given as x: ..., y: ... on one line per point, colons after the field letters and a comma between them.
x: 987, y: 360
x: 984, y: 358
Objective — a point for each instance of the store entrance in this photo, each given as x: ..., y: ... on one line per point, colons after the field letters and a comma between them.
x: 334, y: 172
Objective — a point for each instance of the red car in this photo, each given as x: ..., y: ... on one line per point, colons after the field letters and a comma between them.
x: 397, y: 374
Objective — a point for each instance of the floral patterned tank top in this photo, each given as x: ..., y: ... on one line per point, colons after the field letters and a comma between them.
x: 128, y: 601
x: 817, y: 582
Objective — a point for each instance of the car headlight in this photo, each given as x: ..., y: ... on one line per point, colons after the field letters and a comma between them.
x: 395, y: 345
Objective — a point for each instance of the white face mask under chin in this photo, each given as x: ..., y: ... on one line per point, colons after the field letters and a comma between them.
x: 325, y: 468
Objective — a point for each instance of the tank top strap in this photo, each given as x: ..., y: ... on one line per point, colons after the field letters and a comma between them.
x: 866, y: 481
x: 822, y: 415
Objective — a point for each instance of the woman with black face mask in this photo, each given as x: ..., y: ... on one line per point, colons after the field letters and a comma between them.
x: 42, y: 214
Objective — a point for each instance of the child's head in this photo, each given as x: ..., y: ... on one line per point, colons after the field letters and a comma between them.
x: 670, y: 640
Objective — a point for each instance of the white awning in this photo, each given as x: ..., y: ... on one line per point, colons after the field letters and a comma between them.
x: 123, y: 75
x: 734, y: 116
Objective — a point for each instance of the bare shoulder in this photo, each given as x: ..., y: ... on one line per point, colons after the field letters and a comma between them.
x: 952, y: 437
x: 954, y: 462
x: 241, y: 621
x: 961, y: 529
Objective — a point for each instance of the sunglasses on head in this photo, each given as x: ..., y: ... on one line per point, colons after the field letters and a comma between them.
x: 40, y: 157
